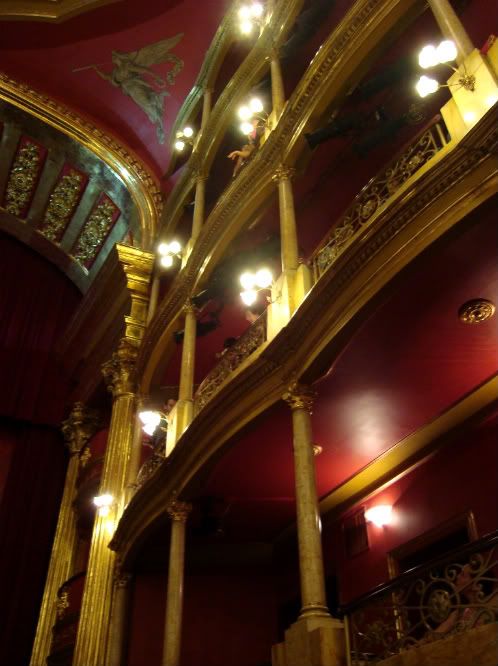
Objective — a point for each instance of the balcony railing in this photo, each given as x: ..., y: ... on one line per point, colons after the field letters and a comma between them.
x: 377, y: 192
x: 248, y: 342
x: 451, y: 595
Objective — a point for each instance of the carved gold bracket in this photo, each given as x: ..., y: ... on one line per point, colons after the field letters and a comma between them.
x: 137, y: 265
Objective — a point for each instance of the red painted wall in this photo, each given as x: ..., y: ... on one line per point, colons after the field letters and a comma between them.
x: 462, y: 476
x: 228, y: 620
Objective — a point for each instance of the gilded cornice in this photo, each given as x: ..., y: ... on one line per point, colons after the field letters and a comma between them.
x: 350, y: 44
x: 139, y: 181
x: 222, y: 115
x: 457, y: 184
x: 53, y: 11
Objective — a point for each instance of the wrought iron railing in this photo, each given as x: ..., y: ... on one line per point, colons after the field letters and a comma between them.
x: 452, y: 594
x: 377, y: 192
x: 248, y: 342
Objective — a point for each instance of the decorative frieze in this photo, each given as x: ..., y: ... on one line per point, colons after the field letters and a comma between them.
x: 61, y: 205
x: 22, y: 179
x: 96, y: 229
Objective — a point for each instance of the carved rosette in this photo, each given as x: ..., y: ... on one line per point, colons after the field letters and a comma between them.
x: 179, y: 510
x: 118, y: 372
x: 22, y: 179
x: 283, y: 172
x: 77, y: 429
x: 298, y: 396
x: 95, y: 231
x: 476, y: 311
x: 61, y: 205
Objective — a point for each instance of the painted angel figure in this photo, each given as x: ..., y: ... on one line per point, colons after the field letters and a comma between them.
x: 132, y: 73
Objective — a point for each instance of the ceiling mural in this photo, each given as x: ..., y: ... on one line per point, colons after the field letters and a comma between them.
x: 126, y: 67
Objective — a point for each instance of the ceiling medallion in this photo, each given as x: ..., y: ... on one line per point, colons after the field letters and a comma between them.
x: 476, y: 311
x: 317, y: 449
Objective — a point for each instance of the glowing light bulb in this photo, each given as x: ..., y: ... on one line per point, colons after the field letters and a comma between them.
x: 175, y: 247
x: 248, y: 297
x: 428, y: 57
x: 244, y: 113
x: 166, y: 261
x: 264, y: 278
x: 426, y: 86
x: 446, y: 51
x: 180, y: 145
x: 149, y: 429
x: 379, y: 515
x: 256, y: 105
x: 247, y: 280
x: 244, y: 12
x: 257, y: 9
x: 103, y: 500
x: 246, y: 128
x: 246, y: 27
x: 188, y: 132
x: 163, y: 248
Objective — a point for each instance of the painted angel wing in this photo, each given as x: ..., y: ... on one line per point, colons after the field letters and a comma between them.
x: 154, y: 54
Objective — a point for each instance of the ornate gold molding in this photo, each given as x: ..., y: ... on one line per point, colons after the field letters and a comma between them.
x: 476, y: 311
x: 140, y: 182
x: 77, y: 429
x: 137, y: 265
x: 283, y: 172
x: 179, y: 511
x: 119, y: 370
x: 53, y: 11
x: 298, y: 396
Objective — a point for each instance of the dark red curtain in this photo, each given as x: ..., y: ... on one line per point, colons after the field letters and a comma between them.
x: 36, y: 303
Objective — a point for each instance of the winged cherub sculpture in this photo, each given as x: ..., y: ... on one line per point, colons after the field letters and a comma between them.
x: 132, y: 73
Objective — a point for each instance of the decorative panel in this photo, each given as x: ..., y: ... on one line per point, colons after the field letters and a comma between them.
x: 62, y: 203
x: 97, y: 227
x: 23, y: 176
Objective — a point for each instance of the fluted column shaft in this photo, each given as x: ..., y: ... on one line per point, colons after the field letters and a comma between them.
x: 186, y: 387
x: 288, y: 232
x: 206, y: 107
x: 119, y: 616
x: 308, y: 517
x: 451, y: 27
x: 96, y: 605
x: 200, y: 198
x: 277, y: 85
x: 78, y: 428
x: 178, y: 512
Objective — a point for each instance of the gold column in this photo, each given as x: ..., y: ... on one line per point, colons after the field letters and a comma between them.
x: 119, y: 616
x: 206, y: 107
x: 77, y: 430
x: 186, y: 387
x: 313, y: 599
x: 154, y: 296
x: 96, y: 605
x: 178, y: 512
x: 200, y: 198
x: 288, y: 233
x: 135, y: 454
x: 277, y: 85
x: 451, y: 27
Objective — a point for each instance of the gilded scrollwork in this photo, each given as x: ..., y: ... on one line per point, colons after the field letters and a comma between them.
x: 61, y: 205
x: 375, y: 194
x: 179, y: 511
x: 22, y: 178
x: 94, y: 232
x: 119, y: 371
x: 232, y: 358
x: 77, y: 429
x: 299, y: 396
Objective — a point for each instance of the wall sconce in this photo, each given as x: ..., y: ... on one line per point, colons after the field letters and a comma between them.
x: 151, y: 419
x: 443, y: 54
x: 253, y: 283
x: 168, y: 252
x: 252, y: 115
x: 250, y: 15
x: 103, y: 503
x: 379, y: 515
x: 183, y: 137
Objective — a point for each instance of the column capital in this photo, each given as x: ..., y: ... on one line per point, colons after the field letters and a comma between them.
x: 178, y: 511
x: 122, y: 579
x: 283, y: 172
x: 118, y: 371
x: 200, y: 175
x: 189, y: 307
x: 299, y: 396
x: 80, y: 425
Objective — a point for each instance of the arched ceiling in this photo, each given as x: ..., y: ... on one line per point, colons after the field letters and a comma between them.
x: 47, y: 10
x: 127, y: 67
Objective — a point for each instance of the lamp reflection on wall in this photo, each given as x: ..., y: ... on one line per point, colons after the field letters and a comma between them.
x: 184, y: 137
x: 443, y: 54
x: 379, y: 515
x: 253, y: 283
x: 249, y: 16
x: 103, y: 503
x: 252, y: 115
x: 168, y: 252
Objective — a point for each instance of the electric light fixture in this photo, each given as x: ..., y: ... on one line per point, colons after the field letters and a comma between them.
x: 252, y: 283
x: 184, y: 137
x: 250, y: 15
x: 254, y: 109
x: 426, y: 86
x: 444, y: 53
x: 379, y: 515
x: 103, y: 503
x: 167, y: 253
x: 249, y: 296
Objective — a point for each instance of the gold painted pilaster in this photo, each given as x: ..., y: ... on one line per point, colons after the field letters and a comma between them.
x: 451, y: 27
x: 137, y: 265
x: 178, y: 512
x: 96, y: 605
x: 300, y: 399
x: 77, y: 430
x: 119, y: 616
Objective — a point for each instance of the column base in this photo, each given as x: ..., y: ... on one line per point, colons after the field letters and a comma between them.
x: 314, y: 640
